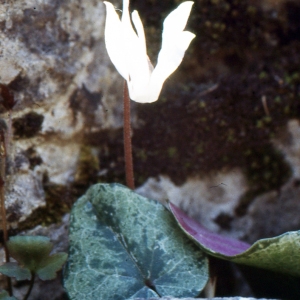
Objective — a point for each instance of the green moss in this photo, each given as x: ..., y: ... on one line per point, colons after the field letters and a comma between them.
x: 263, y: 75
x: 88, y: 166
x: 172, y: 152
x: 57, y: 204
x: 199, y: 149
x: 265, y: 170
x: 259, y: 124
x: 202, y: 104
x: 142, y: 155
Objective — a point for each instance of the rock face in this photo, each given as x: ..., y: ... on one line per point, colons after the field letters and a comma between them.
x: 208, y: 199
x: 222, y: 142
x: 54, y: 62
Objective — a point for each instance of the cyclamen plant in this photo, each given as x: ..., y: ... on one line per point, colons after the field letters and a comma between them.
x: 132, y: 247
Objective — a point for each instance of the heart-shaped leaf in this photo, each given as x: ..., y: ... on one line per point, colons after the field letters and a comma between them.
x: 51, y: 265
x: 29, y: 251
x: 12, y: 269
x: 279, y: 254
x: 33, y: 256
x: 124, y: 246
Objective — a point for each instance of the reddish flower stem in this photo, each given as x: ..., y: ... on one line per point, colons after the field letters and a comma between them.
x: 3, y: 155
x: 127, y: 140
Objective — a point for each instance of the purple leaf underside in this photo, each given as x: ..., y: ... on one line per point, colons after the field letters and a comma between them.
x: 211, y: 241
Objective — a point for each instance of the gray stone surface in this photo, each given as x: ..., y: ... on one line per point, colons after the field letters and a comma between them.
x: 203, y: 198
x: 54, y: 60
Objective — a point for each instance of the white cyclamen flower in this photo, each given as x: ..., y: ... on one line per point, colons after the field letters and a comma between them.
x: 126, y: 48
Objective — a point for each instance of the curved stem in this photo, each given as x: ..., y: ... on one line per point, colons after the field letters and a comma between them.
x: 30, y: 286
x: 127, y: 140
x: 3, y: 156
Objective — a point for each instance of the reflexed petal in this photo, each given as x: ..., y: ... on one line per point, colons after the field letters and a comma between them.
x: 114, y: 40
x: 175, y: 41
x: 140, y: 30
x: 125, y: 13
x: 140, y: 67
x: 172, y: 52
x: 177, y: 19
x: 174, y: 44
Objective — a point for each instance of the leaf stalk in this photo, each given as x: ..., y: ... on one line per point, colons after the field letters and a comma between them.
x: 30, y: 286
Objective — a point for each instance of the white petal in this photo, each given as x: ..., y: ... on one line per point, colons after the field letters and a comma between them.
x: 177, y: 19
x: 139, y: 65
x: 127, y: 50
x: 114, y: 40
x: 175, y: 41
x: 140, y: 30
x: 125, y: 15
